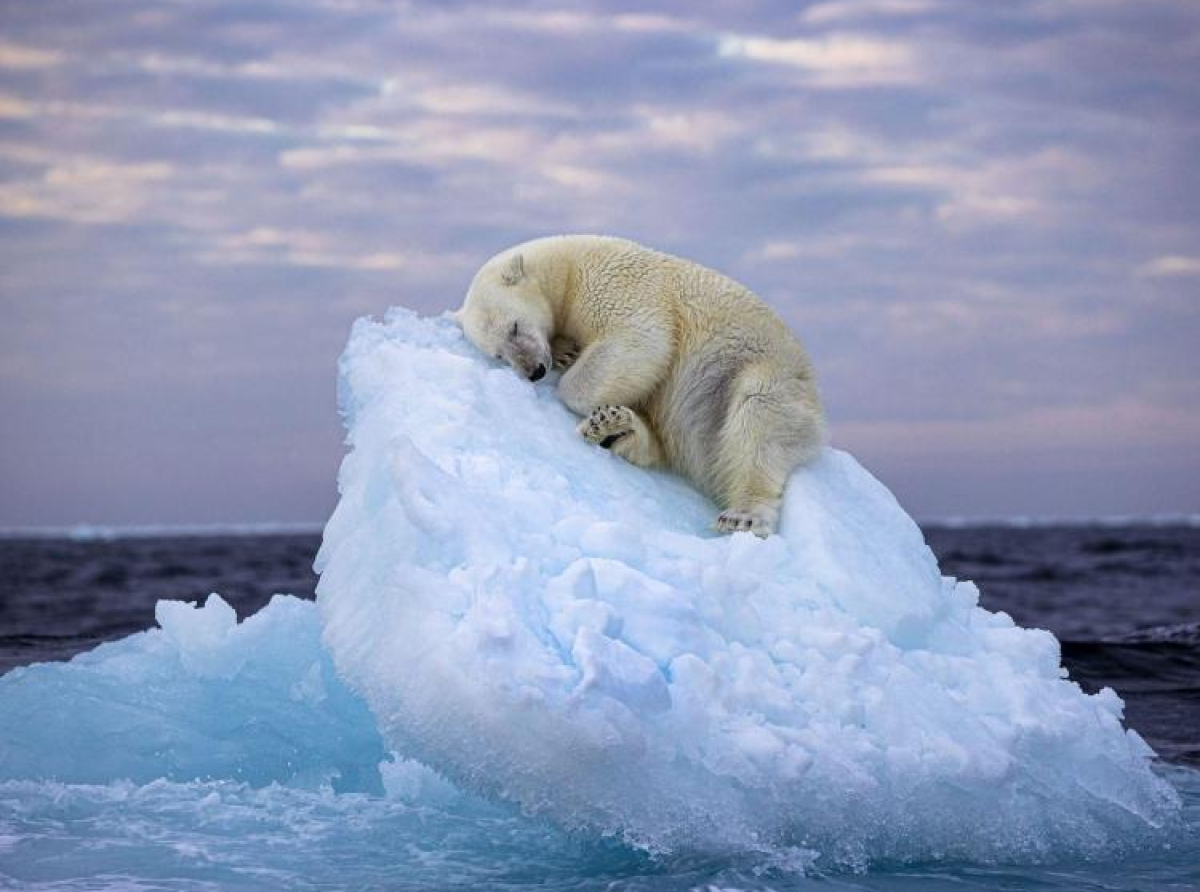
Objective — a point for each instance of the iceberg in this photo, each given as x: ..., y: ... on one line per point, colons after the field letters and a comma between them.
x: 547, y: 625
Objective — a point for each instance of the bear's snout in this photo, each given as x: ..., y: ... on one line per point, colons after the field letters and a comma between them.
x: 529, y: 355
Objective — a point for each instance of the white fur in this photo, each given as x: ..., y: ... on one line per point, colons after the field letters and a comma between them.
x: 670, y: 363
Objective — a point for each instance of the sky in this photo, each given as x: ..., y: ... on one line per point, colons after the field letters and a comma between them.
x: 982, y: 219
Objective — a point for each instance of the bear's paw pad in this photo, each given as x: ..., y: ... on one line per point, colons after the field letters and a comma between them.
x: 606, y: 425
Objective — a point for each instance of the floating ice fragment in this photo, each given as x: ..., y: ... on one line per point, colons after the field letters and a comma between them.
x: 202, y: 698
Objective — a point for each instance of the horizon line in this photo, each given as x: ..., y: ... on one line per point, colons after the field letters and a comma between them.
x: 84, y: 532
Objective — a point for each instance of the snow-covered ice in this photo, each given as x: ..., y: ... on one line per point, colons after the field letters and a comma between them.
x: 546, y: 624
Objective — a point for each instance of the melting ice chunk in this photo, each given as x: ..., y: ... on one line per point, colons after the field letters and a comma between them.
x: 204, y: 697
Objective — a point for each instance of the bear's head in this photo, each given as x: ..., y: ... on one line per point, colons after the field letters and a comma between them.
x: 507, y: 316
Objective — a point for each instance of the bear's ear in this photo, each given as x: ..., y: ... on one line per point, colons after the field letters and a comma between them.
x: 514, y: 271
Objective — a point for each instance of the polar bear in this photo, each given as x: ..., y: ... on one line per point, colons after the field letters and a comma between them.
x: 670, y: 364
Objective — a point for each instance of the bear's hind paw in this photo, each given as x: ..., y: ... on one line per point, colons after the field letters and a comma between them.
x: 606, y: 425
x: 744, y: 521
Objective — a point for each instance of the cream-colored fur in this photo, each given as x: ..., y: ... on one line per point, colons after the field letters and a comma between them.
x: 670, y: 363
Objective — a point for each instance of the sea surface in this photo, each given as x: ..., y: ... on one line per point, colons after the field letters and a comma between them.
x: 1124, y: 600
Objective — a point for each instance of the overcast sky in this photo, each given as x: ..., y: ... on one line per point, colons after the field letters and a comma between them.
x: 983, y: 219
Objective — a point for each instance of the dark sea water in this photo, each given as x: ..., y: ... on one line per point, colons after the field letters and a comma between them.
x: 1124, y: 600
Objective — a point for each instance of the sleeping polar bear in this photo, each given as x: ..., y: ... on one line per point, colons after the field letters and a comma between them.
x: 670, y: 364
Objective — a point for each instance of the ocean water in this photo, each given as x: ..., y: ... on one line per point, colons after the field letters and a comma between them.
x: 1124, y: 601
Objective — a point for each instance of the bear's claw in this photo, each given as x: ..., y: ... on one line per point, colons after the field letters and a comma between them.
x: 565, y: 351
x: 743, y: 521
x: 606, y: 425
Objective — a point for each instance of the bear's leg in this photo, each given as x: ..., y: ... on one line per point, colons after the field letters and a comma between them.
x: 617, y: 370
x: 620, y: 429
x: 772, y: 426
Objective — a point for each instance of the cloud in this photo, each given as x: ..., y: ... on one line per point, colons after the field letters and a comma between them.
x: 12, y: 107
x: 1170, y: 266
x: 16, y: 56
x: 836, y: 60
x: 855, y: 10
x: 581, y: 22
x: 298, y: 247
x: 86, y: 190
x: 1081, y: 432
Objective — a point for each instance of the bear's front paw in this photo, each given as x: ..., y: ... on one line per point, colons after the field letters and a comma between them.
x: 565, y: 351
x: 744, y: 521
x: 606, y: 425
